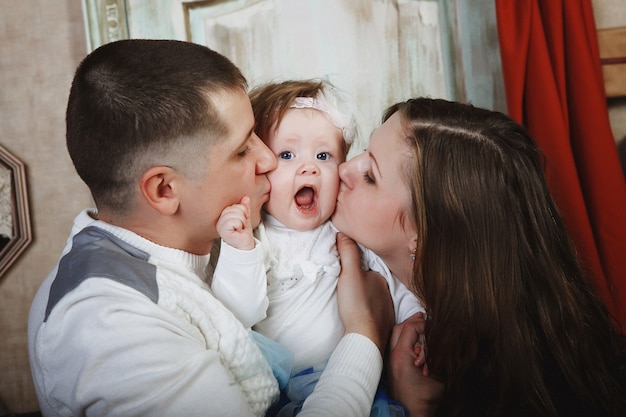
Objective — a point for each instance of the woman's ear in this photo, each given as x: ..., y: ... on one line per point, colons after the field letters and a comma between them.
x: 159, y: 187
x: 413, y: 244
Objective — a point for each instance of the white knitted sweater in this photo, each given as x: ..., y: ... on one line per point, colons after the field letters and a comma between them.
x: 108, y: 349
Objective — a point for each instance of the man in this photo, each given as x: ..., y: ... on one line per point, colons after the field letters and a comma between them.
x: 125, y: 324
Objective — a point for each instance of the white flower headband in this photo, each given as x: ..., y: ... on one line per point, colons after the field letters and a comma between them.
x: 334, y: 108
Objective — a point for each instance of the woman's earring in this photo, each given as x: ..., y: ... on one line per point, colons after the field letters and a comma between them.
x: 412, y: 256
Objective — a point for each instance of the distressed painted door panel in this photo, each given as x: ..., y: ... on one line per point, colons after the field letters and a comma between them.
x: 378, y: 51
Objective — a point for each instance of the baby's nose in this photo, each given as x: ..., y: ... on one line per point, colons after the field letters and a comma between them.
x: 309, y: 168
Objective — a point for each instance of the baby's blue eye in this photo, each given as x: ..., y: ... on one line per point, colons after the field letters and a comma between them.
x: 323, y: 156
x: 285, y: 155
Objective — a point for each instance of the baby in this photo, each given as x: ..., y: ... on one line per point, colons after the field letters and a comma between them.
x: 291, y: 298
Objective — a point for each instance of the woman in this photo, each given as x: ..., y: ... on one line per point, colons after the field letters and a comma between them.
x: 514, y: 327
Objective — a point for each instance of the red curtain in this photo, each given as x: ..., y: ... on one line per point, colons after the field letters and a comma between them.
x: 554, y: 87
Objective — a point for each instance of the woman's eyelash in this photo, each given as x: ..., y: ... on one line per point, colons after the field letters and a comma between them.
x: 368, y: 179
x: 244, y: 152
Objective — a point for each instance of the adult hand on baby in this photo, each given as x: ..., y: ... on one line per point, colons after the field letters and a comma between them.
x: 234, y: 225
x: 408, y: 375
x: 364, y: 300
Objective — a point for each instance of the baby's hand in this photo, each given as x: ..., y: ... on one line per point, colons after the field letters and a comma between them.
x: 234, y: 226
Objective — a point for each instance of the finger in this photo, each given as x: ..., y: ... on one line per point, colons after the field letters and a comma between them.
x: 245, y: 202
x: 349, y: 253
x: 395, y: 335
x: 416, y: 320
x: 238, y: 225
x: 408, y: 336
x: 421, y: 356
x: 417, y: 349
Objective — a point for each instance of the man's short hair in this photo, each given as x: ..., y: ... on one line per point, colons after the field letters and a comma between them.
x: 134, y: 104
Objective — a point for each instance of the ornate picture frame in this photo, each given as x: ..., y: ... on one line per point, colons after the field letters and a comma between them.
x: 15, y: 227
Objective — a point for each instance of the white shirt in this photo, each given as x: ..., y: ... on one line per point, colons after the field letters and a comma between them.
x: 302, y: 270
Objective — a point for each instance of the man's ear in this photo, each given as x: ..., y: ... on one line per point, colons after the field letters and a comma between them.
x: 159, y: 187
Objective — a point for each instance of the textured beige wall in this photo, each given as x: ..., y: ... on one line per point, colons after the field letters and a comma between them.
x: 41, y: 42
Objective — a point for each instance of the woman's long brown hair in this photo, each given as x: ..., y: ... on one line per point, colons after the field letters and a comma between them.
x: 511, y: 313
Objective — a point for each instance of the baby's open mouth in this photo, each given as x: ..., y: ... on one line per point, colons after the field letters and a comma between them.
x: 305, y: 198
